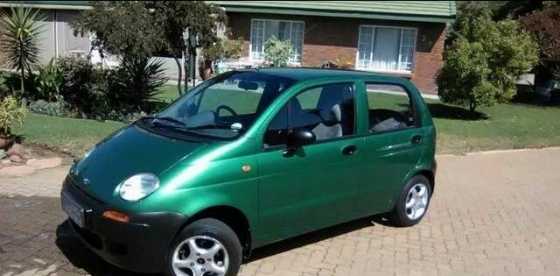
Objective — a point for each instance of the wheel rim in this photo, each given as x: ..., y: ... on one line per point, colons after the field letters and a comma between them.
x: 416, y: 201
x: 200, y: 256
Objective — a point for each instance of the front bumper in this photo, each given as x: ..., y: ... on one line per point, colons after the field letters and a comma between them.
x: 141, y: 245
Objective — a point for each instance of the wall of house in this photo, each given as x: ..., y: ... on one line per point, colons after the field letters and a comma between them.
x: 328, y: 39
x: 57, y: 38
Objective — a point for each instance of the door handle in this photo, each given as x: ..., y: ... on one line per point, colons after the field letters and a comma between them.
x: 349, y: 150
x: 416, y: 139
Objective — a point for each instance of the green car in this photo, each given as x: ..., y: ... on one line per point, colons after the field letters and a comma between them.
x: 250, y: 158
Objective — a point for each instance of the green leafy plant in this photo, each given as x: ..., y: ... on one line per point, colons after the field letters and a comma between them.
x: 20, y: 38
x: 139, y: 29
x: 133, y: 85
x: 277, y: 52
x: 544, y: 25
x: 53, y: 108
x: 4, y: 88
x: 484, y: 60
x: 11, y: 114
x: 84, y: 85
x: 49, y: 81
x: 116, y: 93
x: 224, y: 48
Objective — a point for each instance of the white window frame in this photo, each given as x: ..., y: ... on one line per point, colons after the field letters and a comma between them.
x: 413, y: 61
x: 253, y: 60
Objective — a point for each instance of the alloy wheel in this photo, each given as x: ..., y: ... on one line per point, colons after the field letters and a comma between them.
x: 200, y: 256
x: 416, y: 201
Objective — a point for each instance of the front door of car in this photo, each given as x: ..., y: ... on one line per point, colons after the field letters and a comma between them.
x: 314, y: 185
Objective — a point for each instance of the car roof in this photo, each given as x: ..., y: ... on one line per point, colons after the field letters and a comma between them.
x: 303, y: 74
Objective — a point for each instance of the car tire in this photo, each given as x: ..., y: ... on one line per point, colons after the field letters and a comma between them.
x: 412, y: 203
x: 216, y: 248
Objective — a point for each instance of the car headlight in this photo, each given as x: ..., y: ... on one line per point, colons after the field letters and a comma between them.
x: 138, y: 186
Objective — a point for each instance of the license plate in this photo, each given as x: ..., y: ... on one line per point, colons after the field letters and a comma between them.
x: 74, y: 211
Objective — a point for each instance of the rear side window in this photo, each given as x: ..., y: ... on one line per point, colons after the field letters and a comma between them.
x: 390, y: 108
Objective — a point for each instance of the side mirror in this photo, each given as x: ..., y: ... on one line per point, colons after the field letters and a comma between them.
x: 299, y: 138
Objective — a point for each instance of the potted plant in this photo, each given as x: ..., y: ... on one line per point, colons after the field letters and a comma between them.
x: 277, y: 52
x: 11, y: 114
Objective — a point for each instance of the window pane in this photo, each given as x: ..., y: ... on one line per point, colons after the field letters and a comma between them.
x: 297, y: 40
x: 364, y: 47
x: 407, y: 49
x: 327, y: 111
x: 257, y: 29
x: 389, y: 107
x: 262, y: 30
x: 284, y: 30
x: 386, y: 49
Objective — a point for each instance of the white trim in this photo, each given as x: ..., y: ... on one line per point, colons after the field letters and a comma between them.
x: 45, y: 6
x: 55, y: 34
x: 374, y: 27
x: 259, y: 61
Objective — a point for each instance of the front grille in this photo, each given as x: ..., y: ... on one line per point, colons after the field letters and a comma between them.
x: 75, y: 186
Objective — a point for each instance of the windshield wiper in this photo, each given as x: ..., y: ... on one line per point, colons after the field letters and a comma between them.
x: 165, y: 121
x: 209, y: 126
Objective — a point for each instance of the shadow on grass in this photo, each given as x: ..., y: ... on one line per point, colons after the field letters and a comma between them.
x: 443, y: 111
x: 531, y: 98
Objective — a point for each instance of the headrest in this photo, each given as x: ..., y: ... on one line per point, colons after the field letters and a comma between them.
x: 331, y: 117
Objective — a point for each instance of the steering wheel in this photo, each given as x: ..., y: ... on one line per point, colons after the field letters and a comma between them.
x: 227, y: 108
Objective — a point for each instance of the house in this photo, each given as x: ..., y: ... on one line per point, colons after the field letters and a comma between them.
x: 404, y: 38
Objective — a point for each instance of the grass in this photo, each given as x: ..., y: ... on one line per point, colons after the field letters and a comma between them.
x: 504, y: 126
x: 74, y: 136
x: 508, y: 126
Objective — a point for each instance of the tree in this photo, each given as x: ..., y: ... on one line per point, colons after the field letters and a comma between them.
x: 122, y: 28
x: 484, y: 60
x: 544, y: 24
x: 141, y: 29
x: 277, y: 52
x: 174, y: 17
x: 20, y: 35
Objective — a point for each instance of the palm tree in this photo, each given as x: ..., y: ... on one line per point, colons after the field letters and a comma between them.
x: 20, y: 31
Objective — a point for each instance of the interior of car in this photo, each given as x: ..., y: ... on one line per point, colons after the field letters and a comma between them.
x: 328, y: 114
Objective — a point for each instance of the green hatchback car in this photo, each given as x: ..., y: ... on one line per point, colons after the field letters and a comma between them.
x: 249, y: 158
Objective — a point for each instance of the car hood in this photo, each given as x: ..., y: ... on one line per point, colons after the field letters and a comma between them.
x: 129, y: 151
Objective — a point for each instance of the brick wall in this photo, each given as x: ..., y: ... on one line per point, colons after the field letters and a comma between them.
x: 328, y: 39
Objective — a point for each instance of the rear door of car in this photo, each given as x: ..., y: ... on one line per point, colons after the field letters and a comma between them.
x: 393, y: 144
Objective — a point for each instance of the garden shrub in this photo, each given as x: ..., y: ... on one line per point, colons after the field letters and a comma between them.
x: 12, y: 113
x: 49, y: 81
x: 114, y: 94
x: 84, y: 86
x: 484, y: 60
x: 277, y: 52
x: 57, y: 108
x: 133, y: 85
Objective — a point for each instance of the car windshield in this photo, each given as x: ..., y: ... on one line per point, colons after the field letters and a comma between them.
x: 223, y: 107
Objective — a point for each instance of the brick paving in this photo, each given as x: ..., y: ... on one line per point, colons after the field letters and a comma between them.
x: 492, y: 214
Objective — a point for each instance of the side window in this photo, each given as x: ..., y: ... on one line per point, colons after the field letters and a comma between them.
x: 390, y: 107
x: 327, y: 110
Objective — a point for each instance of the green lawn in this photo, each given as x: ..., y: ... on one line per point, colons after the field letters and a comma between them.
x: 74, y: 136
x: 507, y: 126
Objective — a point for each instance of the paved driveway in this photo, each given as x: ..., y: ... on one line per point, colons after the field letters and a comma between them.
x: 492, y: 214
